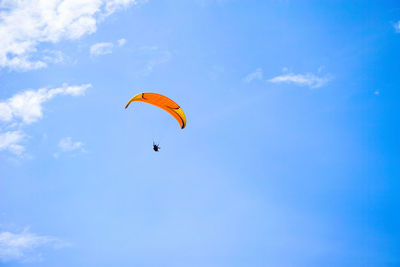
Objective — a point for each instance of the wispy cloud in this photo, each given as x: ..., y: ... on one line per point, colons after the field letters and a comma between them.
x: 25, y: 108
x: 11, y: 141
x: 53, y: 56
x: 205, y: 3
x: 256, y: 75
x: 66, y: 145
x: 308, y: 79
x: 156, y: 56
x: 25, y: 245
x: 397, y: 26
x: 101, y: 49
x: 25, y: 24
x: 121, y: 42
x: 105, y: 48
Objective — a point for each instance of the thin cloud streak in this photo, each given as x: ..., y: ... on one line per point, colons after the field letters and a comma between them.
x: 105, y: 47
x: 308, y: 79
x: 156, y: 56
x: 397, y: 26
x: 256, y: 75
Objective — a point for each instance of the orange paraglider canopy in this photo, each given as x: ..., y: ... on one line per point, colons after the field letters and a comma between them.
x: 162, y: 102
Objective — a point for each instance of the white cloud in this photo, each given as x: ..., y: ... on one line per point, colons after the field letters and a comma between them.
x: 397, y: 26
x: 121, y: 41
x: 11, y: 141
x: 256, y: 75
x: 25, y: 108
x: 23, y: 246
x: 101, y: 49
x: 308, y: 79
x: 27, y: 105
x: 24, y: 24
x: 105, y: 48
x: 66, y: 145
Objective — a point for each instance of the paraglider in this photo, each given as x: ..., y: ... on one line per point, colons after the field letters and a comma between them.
x: 164, y: 103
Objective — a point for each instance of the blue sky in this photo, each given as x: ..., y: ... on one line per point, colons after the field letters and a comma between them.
x: 289, y: 157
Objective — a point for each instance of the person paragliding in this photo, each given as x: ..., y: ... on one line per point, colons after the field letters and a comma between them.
x: 156, y: 147
x: 164, y: 103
